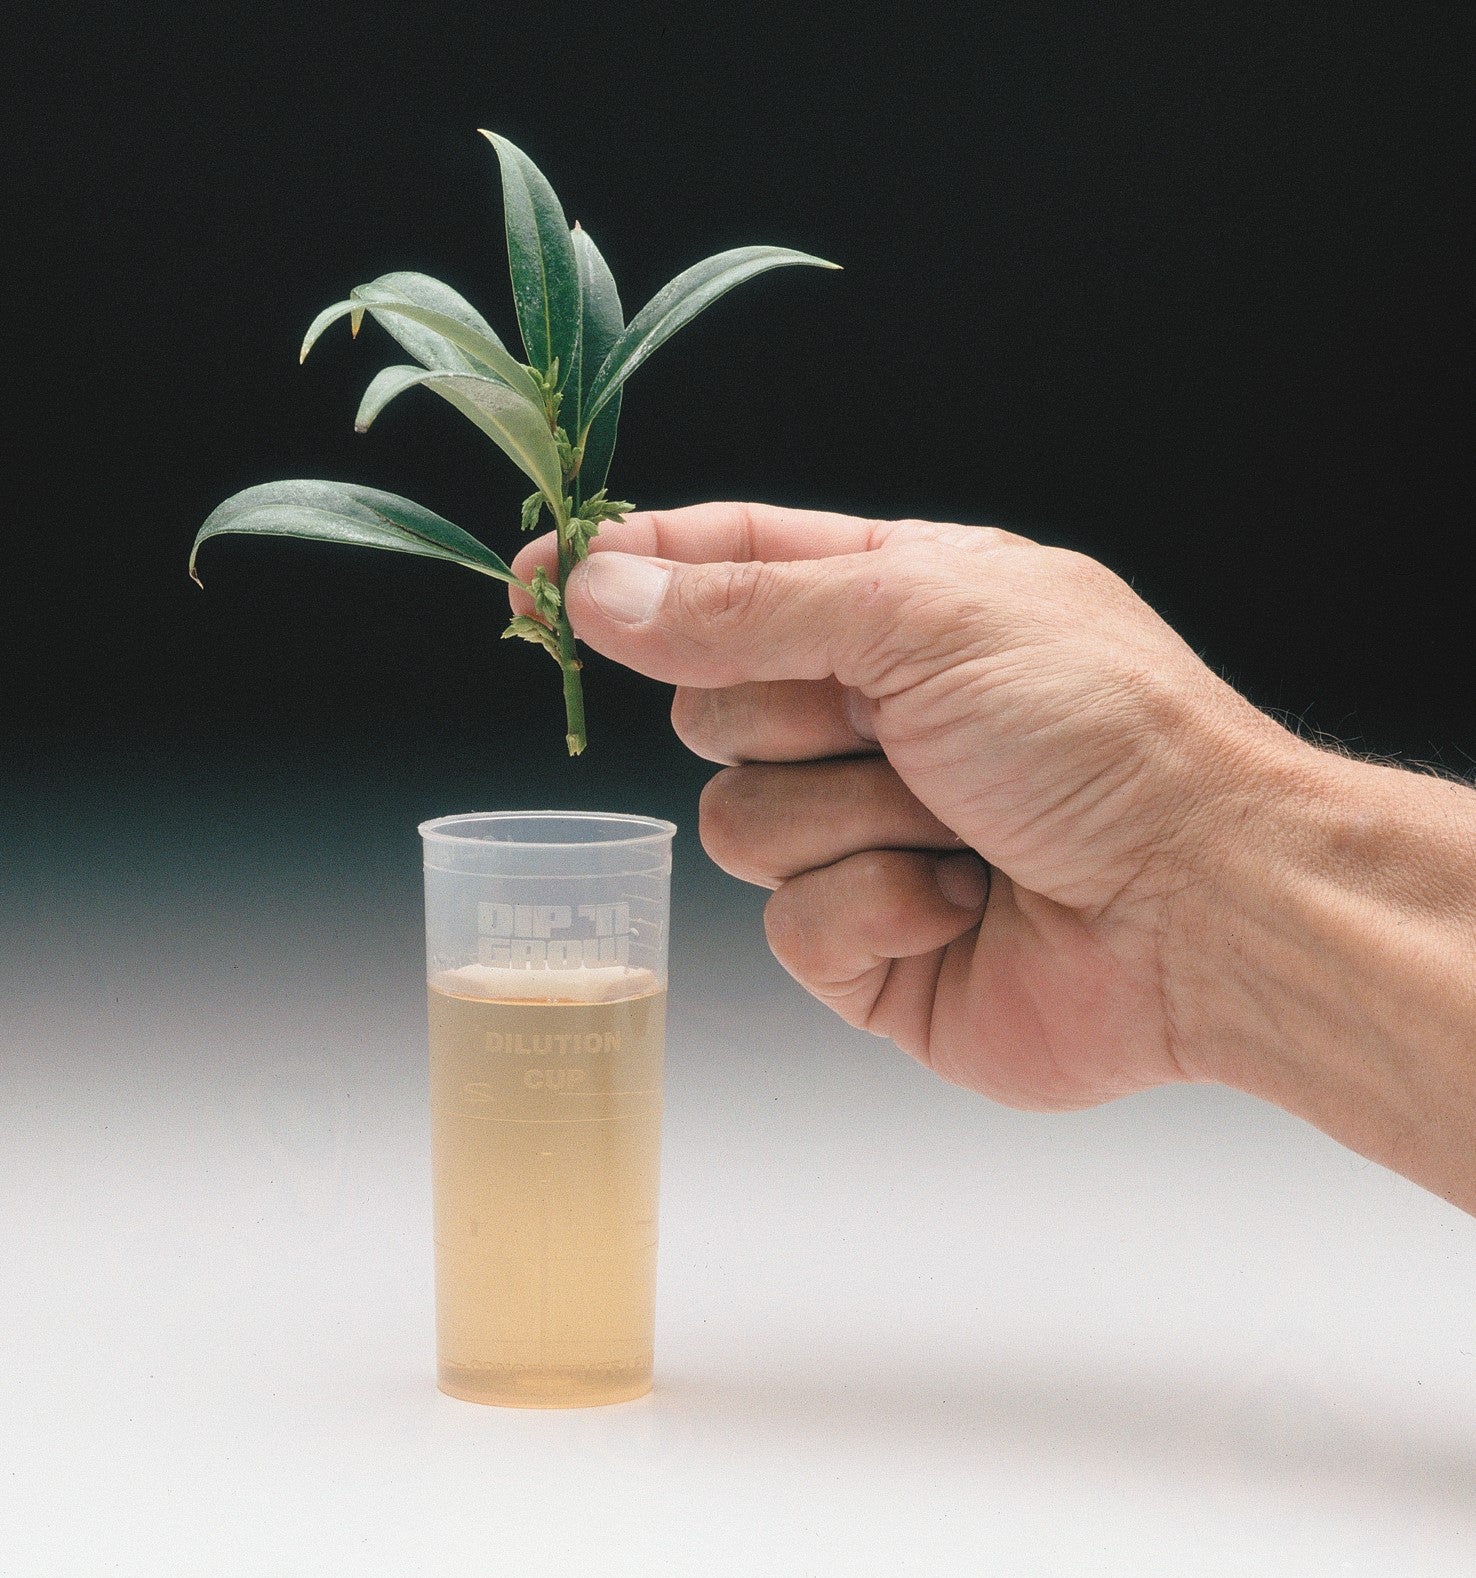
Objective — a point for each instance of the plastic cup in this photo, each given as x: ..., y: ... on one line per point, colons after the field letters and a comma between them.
x: 546, y: 937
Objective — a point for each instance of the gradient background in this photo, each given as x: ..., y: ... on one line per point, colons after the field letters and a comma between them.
x: 1176, y: 289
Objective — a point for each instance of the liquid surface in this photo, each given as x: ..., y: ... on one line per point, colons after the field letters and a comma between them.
x: 546, y: 1138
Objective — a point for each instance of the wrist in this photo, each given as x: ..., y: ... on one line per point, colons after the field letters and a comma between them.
x: 1323, y: 955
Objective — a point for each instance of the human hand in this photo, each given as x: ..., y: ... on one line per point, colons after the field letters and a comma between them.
x: 900, y: 699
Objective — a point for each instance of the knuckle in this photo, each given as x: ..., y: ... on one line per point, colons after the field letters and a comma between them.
x: 929, y: 603
x: 744, y: 520
x: 1048, y: 594
x: 1151, y: 706
x: 869, y: 871
x: 1081, y: 573
x: 734, y: 521
x: 988, y: 538
x: 660, y: 522
x: 880, y: 880
x: 722, y: 594
x: 913, y: 533
x: 974, y: 539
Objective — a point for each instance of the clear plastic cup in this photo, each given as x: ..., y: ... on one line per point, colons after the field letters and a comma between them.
x: 546, y: 938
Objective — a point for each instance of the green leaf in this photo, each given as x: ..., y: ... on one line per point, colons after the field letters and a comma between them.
x: 540, y: 254
x: 347, y: 513
x: 516, y: 427
x: 425, y: 345
x: 488, y: 350
x: 604, y: 318
x: 675, y: 305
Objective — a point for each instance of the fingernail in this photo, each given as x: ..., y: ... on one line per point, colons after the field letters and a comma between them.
x: 856, y: 710
x: 623, y: 586
x: 964, y: 881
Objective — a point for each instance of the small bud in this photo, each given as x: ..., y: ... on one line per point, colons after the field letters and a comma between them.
x: 526, y: 629
x: 581, y: 533
x: 599, y: 508
x: 545, y: 595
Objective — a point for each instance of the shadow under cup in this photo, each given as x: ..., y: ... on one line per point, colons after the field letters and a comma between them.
x: 546, y: 947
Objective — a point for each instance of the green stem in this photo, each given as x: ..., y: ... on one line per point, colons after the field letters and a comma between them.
x: 569, y: 662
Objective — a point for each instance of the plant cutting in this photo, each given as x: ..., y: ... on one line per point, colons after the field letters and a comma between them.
x: 553, y: 415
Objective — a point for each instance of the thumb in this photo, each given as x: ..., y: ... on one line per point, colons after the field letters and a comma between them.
x: 724, y: 624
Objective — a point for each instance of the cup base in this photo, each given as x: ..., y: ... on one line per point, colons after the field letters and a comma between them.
x: 571, y: 1388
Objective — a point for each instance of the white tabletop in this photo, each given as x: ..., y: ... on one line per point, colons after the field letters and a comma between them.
x: 900, y: 1330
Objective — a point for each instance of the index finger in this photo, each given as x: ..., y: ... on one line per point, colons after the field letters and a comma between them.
x: 739, y: 533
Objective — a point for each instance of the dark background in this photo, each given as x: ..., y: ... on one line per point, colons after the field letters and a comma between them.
x: 1178, y: 288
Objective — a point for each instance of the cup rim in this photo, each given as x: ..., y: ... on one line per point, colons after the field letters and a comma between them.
x: 655, y: 829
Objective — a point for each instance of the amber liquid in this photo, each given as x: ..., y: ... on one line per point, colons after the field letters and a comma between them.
x: 546, y: 1136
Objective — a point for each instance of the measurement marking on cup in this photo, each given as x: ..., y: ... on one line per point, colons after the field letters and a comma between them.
x: 618, y: 1117
x: 480, y: 1091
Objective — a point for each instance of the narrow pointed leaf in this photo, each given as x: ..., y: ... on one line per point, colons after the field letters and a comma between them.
x: 327, y: 316
x: 604, y: 318
x: 345, y: 512
x: 425, y: 345
x: 383, y: 387
x: 675, y: 305
x: 540, y: 255
x: 520, y: 431
x: 487, y: 350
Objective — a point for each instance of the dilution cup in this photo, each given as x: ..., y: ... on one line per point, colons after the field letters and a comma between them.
x: 546, y: 944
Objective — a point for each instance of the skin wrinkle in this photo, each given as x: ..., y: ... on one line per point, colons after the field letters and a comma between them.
x: 916, y: 722
x: 721, y: 600
x: 1031, y: 910
x: 904, y: 902
x: 897, y: 606
x: 785, y: 720
x: 764, y: 808
x: 842, y: 997
x: 896, y: 1020
x: 900, y: 605
x: 1162, y: 931
x: 961, y: 948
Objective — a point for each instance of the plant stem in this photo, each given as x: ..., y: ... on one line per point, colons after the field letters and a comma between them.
x: 568, y: 652
x: 569, y: 662
x: 573, y: 689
